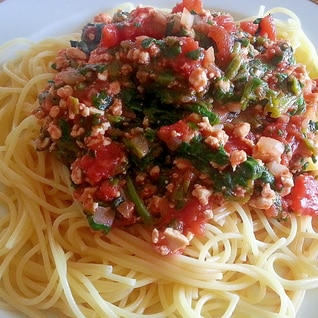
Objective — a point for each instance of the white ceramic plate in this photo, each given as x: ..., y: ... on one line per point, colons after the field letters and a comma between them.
x: 37, y: 19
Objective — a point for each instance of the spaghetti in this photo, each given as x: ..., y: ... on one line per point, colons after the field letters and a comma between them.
x: 245, y: 265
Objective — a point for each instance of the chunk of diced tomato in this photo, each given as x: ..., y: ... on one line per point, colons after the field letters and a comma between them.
x: 106, y: 163
x: 110, y: 36
x: 267, y: 27
x: 142, y: 21
x: 107, y: 191
x: 224, y: 42
x: 226, y: 21
x: 249, y: 27
x: 191, y: 5
x: 188, y: 44
x: 193, y: 216
x: 183, y: 64
x: 304, y: 195
x: 173, y: 135
x: 236, y: 143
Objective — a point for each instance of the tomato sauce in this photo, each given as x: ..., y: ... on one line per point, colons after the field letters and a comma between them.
x: 163, y: 116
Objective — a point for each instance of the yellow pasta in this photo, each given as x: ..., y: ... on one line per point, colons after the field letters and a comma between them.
x: 245, y: 266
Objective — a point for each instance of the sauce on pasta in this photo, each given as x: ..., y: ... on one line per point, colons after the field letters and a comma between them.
x: 158, y: 125
x: 246, y: 264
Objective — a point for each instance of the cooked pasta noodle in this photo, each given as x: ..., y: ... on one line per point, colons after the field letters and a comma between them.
x: 245, y: 266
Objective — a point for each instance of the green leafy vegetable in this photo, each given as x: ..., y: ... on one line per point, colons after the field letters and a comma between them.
x: 102, y: 101
x: 195, y: 54
x: 203, y: 109
x: 197, y: 150
x: 139, y: 204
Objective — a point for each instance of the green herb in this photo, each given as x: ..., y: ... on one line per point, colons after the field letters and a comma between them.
x: 131, y: 99
x: 147, y: 42
x: 102, y: 101
x: 227, y: 180
x: 67, y: 148
x: 139, y: 204
x: 170, y: 47
x: 252, y: 170
x: 252, y: 92
x: 223, y: 90
x: 203, y: 109
x: 165, y: 78
x: 285, y: 54
x: 244, y: 176
x: 313, y: 126
x: 181, y: 190
x: 279, y: 103
x: 161, y: 116
x: 195, y: 54
x: 204, y: 41
x: 234, y: 66
x: 198, y: 151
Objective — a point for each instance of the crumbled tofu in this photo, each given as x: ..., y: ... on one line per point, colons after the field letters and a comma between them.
x: 241, y: 130
x: 202, y: 194
x: 237, y: 157
x: 198, y: 79
x: 173, y: 240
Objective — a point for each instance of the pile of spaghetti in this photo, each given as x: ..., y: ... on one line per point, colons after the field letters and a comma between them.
x: 165, y: 171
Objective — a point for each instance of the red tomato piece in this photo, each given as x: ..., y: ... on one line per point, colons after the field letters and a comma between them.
x: 173, y: 135
x: 145, y: 21
x: 142, y: 21
x: 235, y: 143
x: 191, y: 5
x: 227, y: 22
x: 183, y: 64
x: 249, y: 27
x: 223, y: 41
x: 192, y: 216
x: 110, y: 36
x: 188, y: 45
x: 107, y: 191
x: 106, y: 163
x: 304, y: 195
x: 267, y: 27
